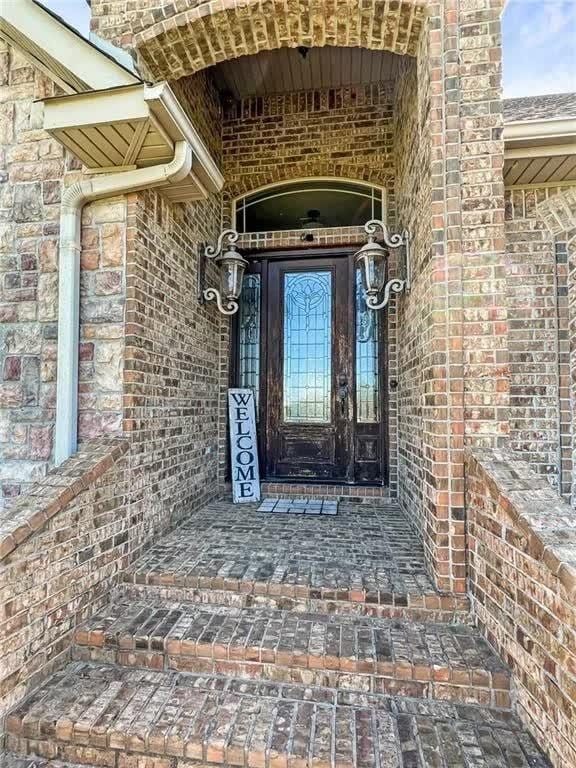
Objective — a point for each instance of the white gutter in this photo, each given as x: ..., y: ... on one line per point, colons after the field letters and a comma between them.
x: 73, y: 200
x: 163, y: 102
x: 548, y: 131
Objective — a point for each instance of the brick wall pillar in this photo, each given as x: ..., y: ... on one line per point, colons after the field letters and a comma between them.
x: 465, y: 370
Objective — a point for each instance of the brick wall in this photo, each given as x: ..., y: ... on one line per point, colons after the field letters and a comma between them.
x: 539, y: 308
x: 413, y: 194
x: 172, y: 385
x: 61, y: 548
x: 559, y: 214
x: 533, y: 343
x: 340, y: 133
x: 34, y: 168
x: 522, y: 575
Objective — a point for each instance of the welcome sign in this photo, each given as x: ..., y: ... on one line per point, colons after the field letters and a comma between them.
x: 243, y: 446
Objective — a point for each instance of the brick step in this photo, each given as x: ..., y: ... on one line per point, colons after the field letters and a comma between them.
x: 94, y: 713
x: 12, y: 760
x: 442, y: 661
x: 415, y: 606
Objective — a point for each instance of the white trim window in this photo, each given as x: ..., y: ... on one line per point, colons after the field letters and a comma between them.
x: 309, y: 204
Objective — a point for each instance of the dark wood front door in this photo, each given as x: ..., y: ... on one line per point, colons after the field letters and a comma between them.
x: 309, y: 409
x: 314, y: 354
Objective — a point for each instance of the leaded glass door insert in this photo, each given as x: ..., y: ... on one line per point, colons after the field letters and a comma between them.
x: 309, y: 410
x: 307, y: 350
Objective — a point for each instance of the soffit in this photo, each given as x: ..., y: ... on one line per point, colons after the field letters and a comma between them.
x: 559, y: 169
x: 540, y: 151
x: 131, y: 127
x: 286, y: 69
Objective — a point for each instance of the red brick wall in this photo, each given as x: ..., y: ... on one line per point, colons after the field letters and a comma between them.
x: 339, y: 133
x: 522, y: 576
x: 61, y: 548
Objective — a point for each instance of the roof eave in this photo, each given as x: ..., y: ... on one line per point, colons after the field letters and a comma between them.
x: 72, y: 60
x: 134, y: 126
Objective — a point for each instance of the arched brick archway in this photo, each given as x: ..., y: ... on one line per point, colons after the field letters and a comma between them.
x: 356, y: 172
x: 187, y: 41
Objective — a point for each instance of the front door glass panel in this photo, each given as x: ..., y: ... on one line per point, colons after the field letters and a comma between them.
x: 249, y: 335
x: 306, y: 363
x: 367, y: 363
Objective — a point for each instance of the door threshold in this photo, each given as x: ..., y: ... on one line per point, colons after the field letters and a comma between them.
x: 316, y: 489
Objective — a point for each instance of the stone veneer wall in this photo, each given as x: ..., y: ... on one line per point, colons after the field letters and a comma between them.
x: 63, y: 545
x: 522, y: 573
x: 34, y: 169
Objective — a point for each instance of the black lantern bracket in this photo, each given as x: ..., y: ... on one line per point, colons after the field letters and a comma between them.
x: 373, y: 258
x: 232, y: 266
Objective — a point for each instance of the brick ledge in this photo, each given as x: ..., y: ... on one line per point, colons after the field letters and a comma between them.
x: 60, y: 486
x: 545, y: 518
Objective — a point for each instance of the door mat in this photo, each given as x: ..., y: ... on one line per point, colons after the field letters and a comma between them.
x: 299, y: 506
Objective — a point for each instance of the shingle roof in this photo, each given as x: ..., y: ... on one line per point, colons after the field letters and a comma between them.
x: 540, y: 107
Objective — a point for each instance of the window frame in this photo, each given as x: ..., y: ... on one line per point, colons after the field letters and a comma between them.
x: 333, y: 180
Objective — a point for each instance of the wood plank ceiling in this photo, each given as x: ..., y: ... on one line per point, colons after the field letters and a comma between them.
x: 287, y: 69
x: 540, y: 170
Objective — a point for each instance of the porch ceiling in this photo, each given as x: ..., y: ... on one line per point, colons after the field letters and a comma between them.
x: 288, y: 69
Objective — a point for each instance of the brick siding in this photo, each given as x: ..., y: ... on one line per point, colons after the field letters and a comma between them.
x: 533, y: 340
x: 522, y: 572
x: 61, y: 548
x: 340, y: 132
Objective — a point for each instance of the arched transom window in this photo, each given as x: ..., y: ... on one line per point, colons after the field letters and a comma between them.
x: 309, y: 204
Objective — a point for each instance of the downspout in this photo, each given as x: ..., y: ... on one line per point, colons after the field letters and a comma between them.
x: 73, y: 200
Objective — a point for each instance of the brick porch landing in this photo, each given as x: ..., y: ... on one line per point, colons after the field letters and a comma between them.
x: 365, y: 560
x: 277, y: 641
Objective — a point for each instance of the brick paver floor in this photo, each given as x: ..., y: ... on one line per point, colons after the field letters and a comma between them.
x: 366, y: 547
x: 104, y: 709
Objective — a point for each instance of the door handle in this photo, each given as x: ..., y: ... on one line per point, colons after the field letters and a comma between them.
x: 342, y: 392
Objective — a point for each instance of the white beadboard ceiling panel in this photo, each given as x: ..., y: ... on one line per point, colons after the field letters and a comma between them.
x: 286, y: 69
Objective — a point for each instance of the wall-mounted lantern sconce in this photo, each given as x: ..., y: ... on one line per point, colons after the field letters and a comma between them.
x: 232, y: 266
x: 373, y: 261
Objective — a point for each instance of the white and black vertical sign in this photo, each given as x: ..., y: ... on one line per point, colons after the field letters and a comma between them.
x: 243, y: 446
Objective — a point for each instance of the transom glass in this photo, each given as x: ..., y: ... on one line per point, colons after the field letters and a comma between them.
x: 309, y: 205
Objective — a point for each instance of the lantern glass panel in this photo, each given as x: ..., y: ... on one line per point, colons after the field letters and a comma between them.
x: 374, y: 269
x: 231, y: 274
